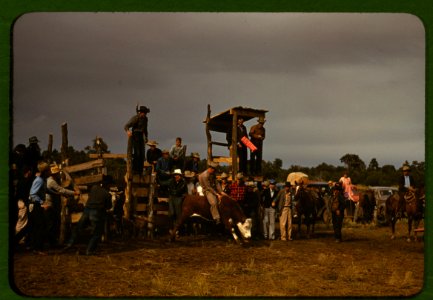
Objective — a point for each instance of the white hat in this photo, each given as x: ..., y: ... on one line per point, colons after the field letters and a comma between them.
x: 177, y: 172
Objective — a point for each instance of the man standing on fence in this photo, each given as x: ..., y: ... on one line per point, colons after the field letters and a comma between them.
x: 136, y: 129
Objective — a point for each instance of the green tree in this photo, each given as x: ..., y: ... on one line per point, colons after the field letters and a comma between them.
x: 353, y: 163
x: 373, y: 165
x: 98, y: 146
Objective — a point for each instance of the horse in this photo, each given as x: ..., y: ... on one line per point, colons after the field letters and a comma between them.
x: 365, y: 206
x: 306, y: 205
x: 411, y: 203
x: 232, y: 216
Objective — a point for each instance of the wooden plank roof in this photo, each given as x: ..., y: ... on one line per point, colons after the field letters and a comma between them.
x: 222, y: 122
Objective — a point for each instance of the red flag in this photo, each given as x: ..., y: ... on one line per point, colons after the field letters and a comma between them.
x: 248, y: 143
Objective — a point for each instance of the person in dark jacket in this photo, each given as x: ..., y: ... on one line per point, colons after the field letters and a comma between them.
x: 33, y: 154
x: 242, y: 149
x: 405, y: 183
x: 153, y: 153
x: 337, y: 209
x: 177, y: 191
x: 192, y: 163
x: 136, y: 129
x: 269, y: 204
x: 95, y: 212
x: 37, y: 225
x: 406, y: 180
x: 257, y: 134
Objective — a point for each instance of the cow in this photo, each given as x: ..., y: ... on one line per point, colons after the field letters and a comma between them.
x: 231, y: 214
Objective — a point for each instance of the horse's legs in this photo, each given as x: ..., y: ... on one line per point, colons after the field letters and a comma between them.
x: 409, y: 228
x: 416, y: 225
x: 177, y: 225
x: 393, y: 221
x: 299, y: 225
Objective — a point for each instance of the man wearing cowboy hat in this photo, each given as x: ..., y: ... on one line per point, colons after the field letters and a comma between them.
x: 190, y: 182
x: 338, y: 204
x: 257, y: 134
x: 136, y: 129
x: 53, y: 203
x: 238, y: 189
x: 176, y: 191
x: 192, y: 163
x: 405, y: 183
x: 211, y: 189
x: 33, y: 154
x: 269, y: 204
x: 225, y: 183
x: 406, y: 180
x: 285, y: 206
x: 153, y: 153
x: 95, y: 213
x: 163, y: 168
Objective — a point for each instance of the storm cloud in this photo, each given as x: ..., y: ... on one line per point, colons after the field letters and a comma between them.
x: 333, y: 83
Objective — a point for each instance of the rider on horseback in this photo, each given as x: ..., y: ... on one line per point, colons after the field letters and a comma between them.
x: 406, y: 184
x: 211, y: 189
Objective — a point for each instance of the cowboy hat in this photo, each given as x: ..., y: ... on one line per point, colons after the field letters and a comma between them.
x: 177, y: 172
x: 143, y: 109
x: 33, y: 140
x: 43, y: 166
x: 213, y: 165
x: 224, y: 175
x: 55, y: 169
x: 195, y: 154
x: 239, y: 175
x: 152, y: 143
x: 189, y: 174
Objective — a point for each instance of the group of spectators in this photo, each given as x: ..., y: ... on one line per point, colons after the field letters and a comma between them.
x: 37, y: 188
x: 36, y: 191
x: 261, y: 201
x: 175, y: 158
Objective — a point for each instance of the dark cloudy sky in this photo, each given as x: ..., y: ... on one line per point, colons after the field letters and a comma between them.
x: 333, y: 83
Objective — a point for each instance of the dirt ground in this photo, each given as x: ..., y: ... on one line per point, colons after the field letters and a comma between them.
x: 366, y: 263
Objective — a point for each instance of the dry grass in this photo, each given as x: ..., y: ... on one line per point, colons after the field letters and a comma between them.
x: 366, y: 263
x: 200, y: 286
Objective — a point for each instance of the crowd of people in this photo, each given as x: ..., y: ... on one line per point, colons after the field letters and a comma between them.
x: 37, y: 189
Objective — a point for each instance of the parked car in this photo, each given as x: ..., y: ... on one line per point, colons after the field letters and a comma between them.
x: 381, y: 193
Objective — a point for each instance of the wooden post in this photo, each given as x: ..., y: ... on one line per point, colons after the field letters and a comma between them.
x: 65, y: 218
x: 128, y: 209
x: 234, y: 147
x: 64, y: 148
x: 209, y: 137
x: 50, y: 147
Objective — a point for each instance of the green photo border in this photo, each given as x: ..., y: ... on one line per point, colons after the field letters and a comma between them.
x: 11, y: 10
